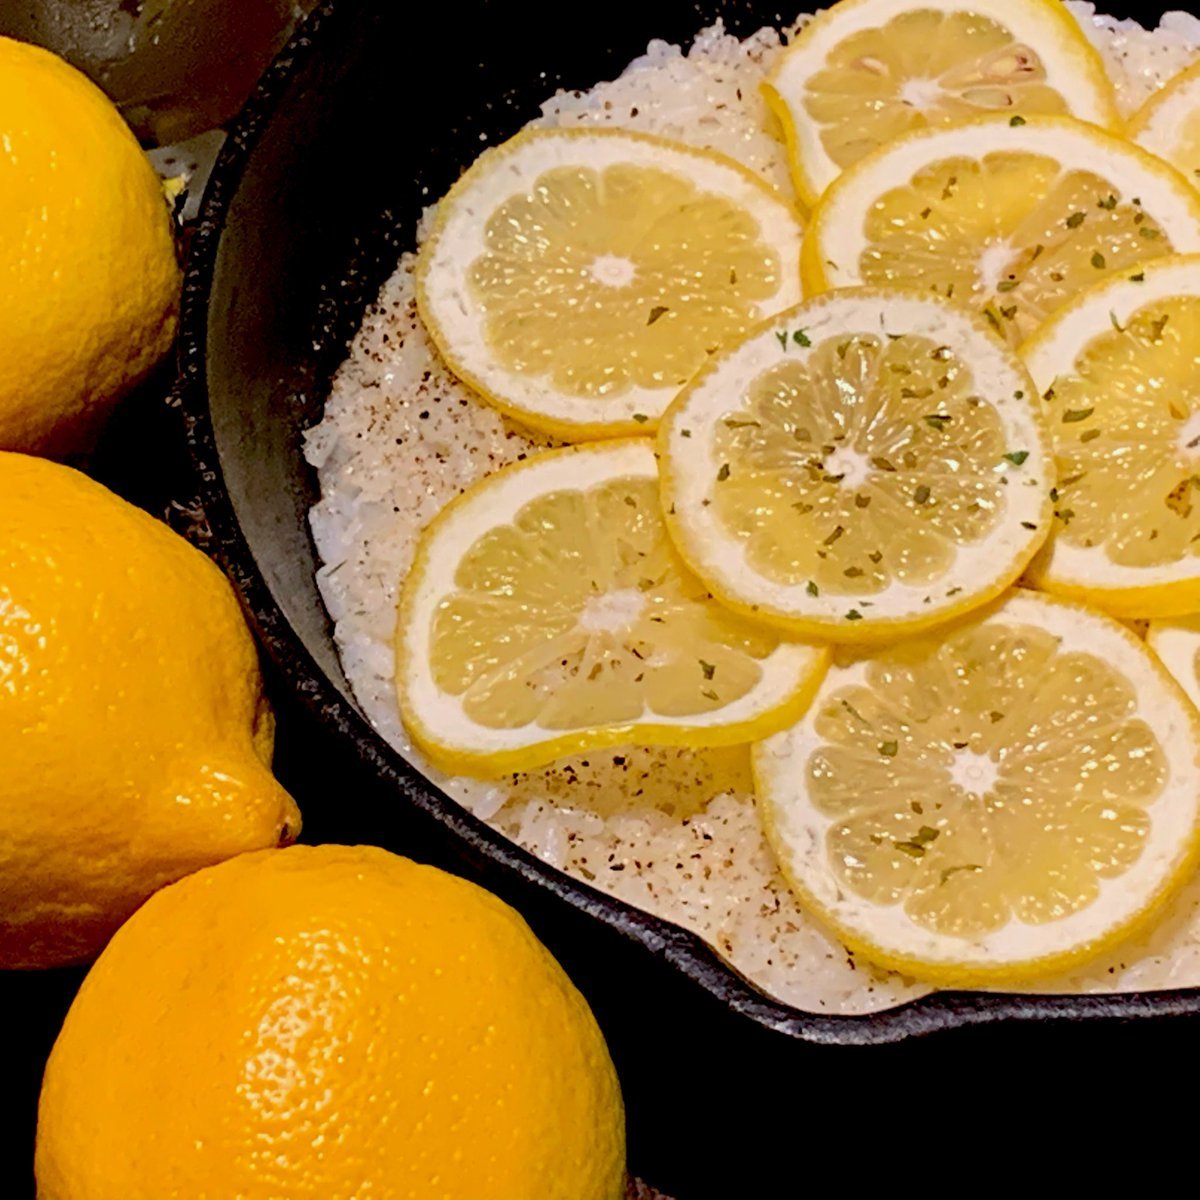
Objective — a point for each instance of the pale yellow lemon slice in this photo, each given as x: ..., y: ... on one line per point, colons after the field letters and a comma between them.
x: 1117, y: 370
x: 1168, y: 124
x: 578, y: 278
x: 865, y: 465
x: 993, y: 802
x: 1177, y: 644
x: 1009, y: 219
x: 548, y: 612
x: 865, y: 72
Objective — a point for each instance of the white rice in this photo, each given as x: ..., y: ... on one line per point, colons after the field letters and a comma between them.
x: 1139, y: 61
x: 673, y: 832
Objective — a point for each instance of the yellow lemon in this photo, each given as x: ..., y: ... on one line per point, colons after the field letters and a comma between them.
x: 88, y: 276
x: 547, y: 612
x: 1176, y: 642
x: 1116, y: 369
x: 1009, y: 216
x: 1168, y: 124
x: 993, y: 802
x: 329, y: 1022
x: 577, y: 278
x: 134, y: 738
x: 863, y: 72
x: 868, y: 464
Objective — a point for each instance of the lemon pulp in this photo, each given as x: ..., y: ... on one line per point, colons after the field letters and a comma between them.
x: 1177, y: 645
x: 869, y: 460
x: 1168, y: 124
x: 988, y: 777
x: 1012, y: 232
x: 922, y: 67
x: 625, y: 276
x: 1126, y: 427
x: 1185, y: 152
x: 580, y: 613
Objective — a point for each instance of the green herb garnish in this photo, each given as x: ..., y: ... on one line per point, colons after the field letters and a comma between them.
x: 916, y: 846
x: 948, y: 871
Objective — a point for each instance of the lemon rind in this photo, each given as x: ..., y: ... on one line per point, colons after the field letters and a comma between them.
x: 820, y: 618
x: 1143, y: 127
x: 836, y: 235
x: 813, y: 170
x: 946, y: 973
x: 806, y: 664
x: 1171, y: 640
x: 532, y: 400
x: 1171, y: 590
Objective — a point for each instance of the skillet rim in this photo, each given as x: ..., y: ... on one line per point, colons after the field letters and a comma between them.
x: 312, y: 690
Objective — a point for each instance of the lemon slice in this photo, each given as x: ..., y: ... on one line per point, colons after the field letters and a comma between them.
x: 1117, y: 369
x: 990, y: 804
x: 547, y: 612
x: 865, y: 465
x: 864, y: 72
x: 1177, y: 644
x: 1012, y: 220
x: 577, y: 278
x: 1168, y: 124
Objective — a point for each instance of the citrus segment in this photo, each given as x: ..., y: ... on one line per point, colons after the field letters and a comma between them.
x: 577, y: 278
x: 547, y: 612
x: 1168, y: 124
x: 993, y: 803
x: 867, y: 464
x: 865, y: 72
x: 1122, y: 398
x: 1177, y: 644
x: 1012, y: 220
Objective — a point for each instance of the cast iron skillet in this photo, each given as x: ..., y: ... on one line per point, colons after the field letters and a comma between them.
x: 372, y: 111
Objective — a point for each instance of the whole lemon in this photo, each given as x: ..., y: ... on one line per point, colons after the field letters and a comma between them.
x: 322, y: 1023
x: 134, y: 737
x: 89, y: 282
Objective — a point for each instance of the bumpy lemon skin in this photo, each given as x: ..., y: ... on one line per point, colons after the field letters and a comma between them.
x: 89, y: 281
x: 324, y: 1023
x: 135, y: 741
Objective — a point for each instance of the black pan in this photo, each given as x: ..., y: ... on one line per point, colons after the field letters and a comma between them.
x: 372, y: 110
